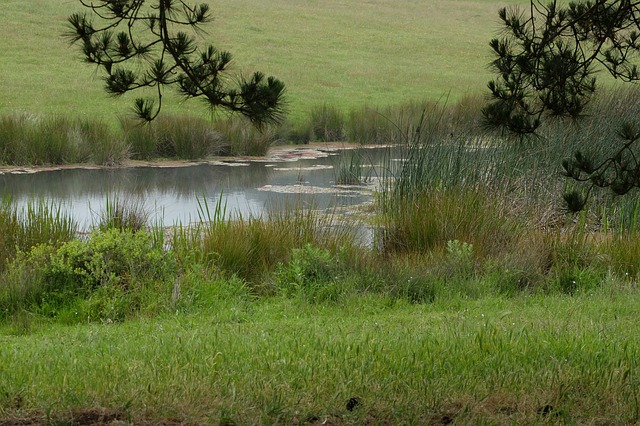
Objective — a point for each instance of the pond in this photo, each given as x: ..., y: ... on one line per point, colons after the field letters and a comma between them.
x: 174, y: 194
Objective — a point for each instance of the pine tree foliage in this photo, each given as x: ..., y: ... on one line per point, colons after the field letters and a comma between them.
x: 547, y: 58
x: 142, y: 44
x: 620, y: 172
x: 545, y: 65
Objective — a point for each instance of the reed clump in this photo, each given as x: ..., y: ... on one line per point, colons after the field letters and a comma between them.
x: 35, y: 223
x: 183, y: 137
x: 327, y: 123
x: 241, y: 137
x: 37, y: 140
x: 123, y: 215
x: 251, y: 248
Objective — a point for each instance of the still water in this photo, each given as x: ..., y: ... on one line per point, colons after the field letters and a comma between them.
x: 173, y: 194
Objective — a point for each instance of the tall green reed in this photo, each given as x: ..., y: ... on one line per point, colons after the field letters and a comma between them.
x: 596, y: 135
x: 251, y: 247
x: 327, y: 123
x: 184, y: 137
x: 35, y: 140
x: 37, y: 222
x: 447, y: 186
x: 129, y: 214
x: 349, y: 168
x: 241, y: 137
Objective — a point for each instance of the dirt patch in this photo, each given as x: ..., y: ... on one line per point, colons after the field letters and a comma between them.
x: 88, y: 417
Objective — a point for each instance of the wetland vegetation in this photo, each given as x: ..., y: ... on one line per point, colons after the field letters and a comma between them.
x: 479, y: 301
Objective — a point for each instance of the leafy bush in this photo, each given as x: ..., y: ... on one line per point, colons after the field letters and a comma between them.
x: 312, y: 273
x: 104, y: 277
x: 460, y: 254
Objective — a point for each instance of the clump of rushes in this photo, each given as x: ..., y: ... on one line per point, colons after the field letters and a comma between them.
x: 124, y: 215
x: 328, y: 123
x: 38, y: 222
x: 431, y: 219
x: 184, y: 137
x: 35, y: 140
x: 250, y: 248
x: 349, y: 168
x: 240, y: 136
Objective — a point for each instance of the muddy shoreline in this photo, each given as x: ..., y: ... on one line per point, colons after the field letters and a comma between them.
x: 280, y: 153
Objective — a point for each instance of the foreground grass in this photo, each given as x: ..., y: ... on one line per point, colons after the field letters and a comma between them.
x: 523, y: 360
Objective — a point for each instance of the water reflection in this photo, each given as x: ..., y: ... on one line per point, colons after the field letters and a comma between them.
x: 171, y: 194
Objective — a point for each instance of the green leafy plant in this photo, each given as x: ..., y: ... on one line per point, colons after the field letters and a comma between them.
x: 312, y: 273
x: 460, y: 256
x: 110, y: 269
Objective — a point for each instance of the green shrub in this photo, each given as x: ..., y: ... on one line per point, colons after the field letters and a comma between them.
x: 102, y: 278
x: 313, y: 274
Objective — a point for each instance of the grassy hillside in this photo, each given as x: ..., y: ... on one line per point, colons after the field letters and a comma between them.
x: 345, y: 53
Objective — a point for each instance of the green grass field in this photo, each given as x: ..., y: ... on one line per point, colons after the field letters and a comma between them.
x: 343, y: 53
x: 526, y: 360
